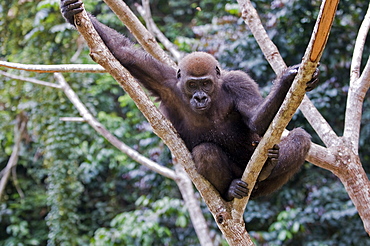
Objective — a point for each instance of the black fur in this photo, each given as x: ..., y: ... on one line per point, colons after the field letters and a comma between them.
x: 219, y: 114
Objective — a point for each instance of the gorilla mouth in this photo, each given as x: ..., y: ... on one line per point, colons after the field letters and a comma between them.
x: 202, y: 107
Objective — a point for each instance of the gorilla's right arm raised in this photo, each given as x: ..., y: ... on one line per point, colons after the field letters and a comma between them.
x: 140, y: 64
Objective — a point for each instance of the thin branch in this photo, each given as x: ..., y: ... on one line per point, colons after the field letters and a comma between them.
x: 293, y: 99
x: 13, y: 160
x: 72, y: 119
x: 87, y: 116
x: 31, y: 80
x: 16, y: 183
x: 153, y: 28
x: 192, y: 204
x: 63, y: 68
x: 359, y: 47
x: 141, y: 34
x: 251, y: 18
x: 269, y: 49
x: 323, y: 157
x: 358, y: 88
x: 364, y: 80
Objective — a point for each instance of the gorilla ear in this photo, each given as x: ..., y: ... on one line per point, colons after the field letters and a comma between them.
x: 178, y: 74
x: 218, y: 71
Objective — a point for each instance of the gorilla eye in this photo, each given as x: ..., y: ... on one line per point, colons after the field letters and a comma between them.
x: 218, y: 72
x: 178, y: 73
x: 192, y: 84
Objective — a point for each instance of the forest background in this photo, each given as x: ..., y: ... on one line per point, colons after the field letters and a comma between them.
x: 71, y: 186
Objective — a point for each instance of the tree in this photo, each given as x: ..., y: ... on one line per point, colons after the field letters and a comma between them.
x: 316, y: 151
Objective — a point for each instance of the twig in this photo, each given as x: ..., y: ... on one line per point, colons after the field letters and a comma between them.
x: 16, y: 183
x: 63, y: 68
x: 153, y: 28
x: 13, y: 160
x: 31, y: 80
x: 359, y: 47
x: 72, y: 119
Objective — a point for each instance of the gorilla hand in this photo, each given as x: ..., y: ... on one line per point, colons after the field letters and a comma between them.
x: 70, y: 8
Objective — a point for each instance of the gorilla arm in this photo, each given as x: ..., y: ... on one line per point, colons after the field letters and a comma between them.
x: 265, y: 112
x: 157, y: 77
x: 258, y: 112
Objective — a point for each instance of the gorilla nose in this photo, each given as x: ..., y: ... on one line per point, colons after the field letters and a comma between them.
x: 200, y: 98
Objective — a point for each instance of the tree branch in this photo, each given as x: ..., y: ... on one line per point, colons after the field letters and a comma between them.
x: 63, y: 68
x: 31, y: 80
x: 196, y: 215
x: 87, y: 116
x: 292, y: 100
x: 358, y: 88
x: 153, y: 28
x: 141, y: 34
x: 13, y: 160
x: 277, y: 63
x: 359, y: 47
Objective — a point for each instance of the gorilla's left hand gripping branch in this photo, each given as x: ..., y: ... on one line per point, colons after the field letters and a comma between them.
x: 292, y: 101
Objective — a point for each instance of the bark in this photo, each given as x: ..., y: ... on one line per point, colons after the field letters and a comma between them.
x: 161, y: 126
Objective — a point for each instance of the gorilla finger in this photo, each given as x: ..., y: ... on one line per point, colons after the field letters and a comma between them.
x: 241, y: 183
x: 75, y: 6
x: 311, y: 84
x: 240, y: 194
x: 273, y: 157
x: 273, y: 154
x: 68, y: 2
x: 235, y: 195
x: 273, y: 151
x: 242, y: 190
x: 276, y: 146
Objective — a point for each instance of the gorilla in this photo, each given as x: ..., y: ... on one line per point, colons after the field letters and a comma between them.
x: 220, y: 115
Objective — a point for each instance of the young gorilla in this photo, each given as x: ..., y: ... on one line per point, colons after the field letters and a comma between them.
x: 220, y: 115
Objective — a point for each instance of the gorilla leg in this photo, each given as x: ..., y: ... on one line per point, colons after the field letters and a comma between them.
x: 293, y: 151
x: 213, y: 163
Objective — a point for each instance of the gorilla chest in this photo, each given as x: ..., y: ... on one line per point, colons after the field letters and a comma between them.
x: 230, y: 133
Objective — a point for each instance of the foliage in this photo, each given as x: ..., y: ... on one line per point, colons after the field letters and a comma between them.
x: 148, y: 225
x: 79, y: 190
